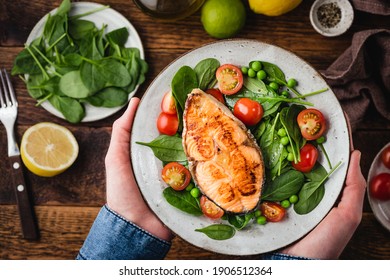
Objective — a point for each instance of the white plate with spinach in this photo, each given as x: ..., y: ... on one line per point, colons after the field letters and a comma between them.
x: 254, y: 238
x: 107, y: 98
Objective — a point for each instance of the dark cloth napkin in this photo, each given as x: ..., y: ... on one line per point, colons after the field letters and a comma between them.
x: 360, y: 77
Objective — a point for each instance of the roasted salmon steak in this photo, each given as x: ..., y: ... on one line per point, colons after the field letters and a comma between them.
x: 224, y: 159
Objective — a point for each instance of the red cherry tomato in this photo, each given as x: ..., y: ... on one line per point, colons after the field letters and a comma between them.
x: 210, y: 209
x: 272, y: 211
x: 312, y: 123
x: 230, y: 79
x: 385, y: 157
x: 380, y: 186
x: 168, y: 104
x: 217, y: 94
x: 309, y: 156
x: 176, y: 176
x: 248, y: 111
x: 167, y: 124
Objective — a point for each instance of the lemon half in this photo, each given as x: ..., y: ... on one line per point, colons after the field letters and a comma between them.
x: 48, y: 149
x: 273, y: 7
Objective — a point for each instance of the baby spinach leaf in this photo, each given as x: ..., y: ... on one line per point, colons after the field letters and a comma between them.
x: 72, y: 85
x: 184, y: 81
x: 284, y: 186
x: 72, y: 109
x: 205, y: 71
x: 274, y: 73
x: 182, y: 200
x: 118, y: 36
x: 109, y: 97
x: 240, y: 221
x: 80, y: 28
x: 218, y: 231
x: 167, y: 148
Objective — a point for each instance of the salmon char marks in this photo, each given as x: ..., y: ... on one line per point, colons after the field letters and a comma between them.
x: 224, y: 159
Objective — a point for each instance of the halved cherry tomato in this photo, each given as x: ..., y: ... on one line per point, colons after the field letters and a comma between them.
x: 217, y: 94
x: 176, y: 175
x: 210, y: 209
x: 248, y: 111
x: 272, y: 211
x: 380, y: 186
x: 309, y: 156
x: 168, y: 104
x: 230, y: 79
x: 312, y: 123
x: 167, y: 124
x: 385, y: 157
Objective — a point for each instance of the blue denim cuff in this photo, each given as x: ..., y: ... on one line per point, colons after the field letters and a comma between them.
x: 280, y: 256
x: 114, y: 238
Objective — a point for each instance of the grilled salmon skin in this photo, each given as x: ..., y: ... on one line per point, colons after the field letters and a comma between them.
x: 224, y: 159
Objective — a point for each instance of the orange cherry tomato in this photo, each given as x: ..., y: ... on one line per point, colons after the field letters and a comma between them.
x: 176, y: 176
x: 272, y: 211
x: 230, y: 79
x: 210, y: 209
x: 312, y: 123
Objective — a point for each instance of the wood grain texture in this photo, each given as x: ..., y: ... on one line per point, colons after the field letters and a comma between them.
x: 67, y: 204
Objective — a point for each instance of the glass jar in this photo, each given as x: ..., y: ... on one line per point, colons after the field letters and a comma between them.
x: 169, y: 9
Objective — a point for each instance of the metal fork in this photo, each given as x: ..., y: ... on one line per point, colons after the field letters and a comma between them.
x: 8, y: 114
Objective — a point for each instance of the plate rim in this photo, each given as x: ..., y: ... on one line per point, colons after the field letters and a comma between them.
x: 106, y: 112
x: 254, y: 41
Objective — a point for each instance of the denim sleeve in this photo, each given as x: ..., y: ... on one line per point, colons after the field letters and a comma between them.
x: 280, y: 256
x: 113, y: 238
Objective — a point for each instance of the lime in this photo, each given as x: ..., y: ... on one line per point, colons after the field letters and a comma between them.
x: 223, y: 18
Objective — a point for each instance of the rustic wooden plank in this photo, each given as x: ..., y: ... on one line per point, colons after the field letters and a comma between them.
x: 64, y: 229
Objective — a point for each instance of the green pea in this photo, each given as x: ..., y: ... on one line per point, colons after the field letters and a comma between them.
x: 284, y: 140
x: 293, y: 199
x: 244, y: 70
x: 290, y: 156
x: 195, y: 192
x: 321, y: 140
x: 261, y: 75
x: 274, y: 85
x: 251, y: 73
x: 282, y: 132
x: 256, y: 65
x: 285, y: 93
x: 262, y: 220
x: 258, y: 213
x: 285, y: 203
x: 291, y: 83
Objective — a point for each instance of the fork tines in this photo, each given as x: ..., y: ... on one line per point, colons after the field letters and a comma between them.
x: 7, y: 93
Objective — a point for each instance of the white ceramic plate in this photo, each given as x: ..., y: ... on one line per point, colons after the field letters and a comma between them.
x: 254, y: 239
x: 113, y: 20
x: 381, y: 209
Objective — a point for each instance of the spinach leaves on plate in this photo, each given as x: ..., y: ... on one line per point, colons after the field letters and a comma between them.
x: 73, y: 63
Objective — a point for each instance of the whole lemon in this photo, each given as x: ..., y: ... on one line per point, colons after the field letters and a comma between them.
x: 223, y: 18
x: 273, y: 7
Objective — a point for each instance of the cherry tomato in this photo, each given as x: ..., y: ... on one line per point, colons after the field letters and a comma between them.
x: 272, y: 211
x: 385, y: 156
x: 176, y: 176
x: 309, y: 155
x: 168, y: 104
x: 380, y: 186
x: 217, y: 94
x: 210, y: 209
x: 312, y: 123
x: 230, y: 79
x: 248, y: 111
x: 167, y: 124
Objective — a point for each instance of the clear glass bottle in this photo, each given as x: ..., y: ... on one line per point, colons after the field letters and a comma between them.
x: 169, y: 9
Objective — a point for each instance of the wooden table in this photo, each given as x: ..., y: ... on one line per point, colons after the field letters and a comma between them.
x: 66, y: 205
